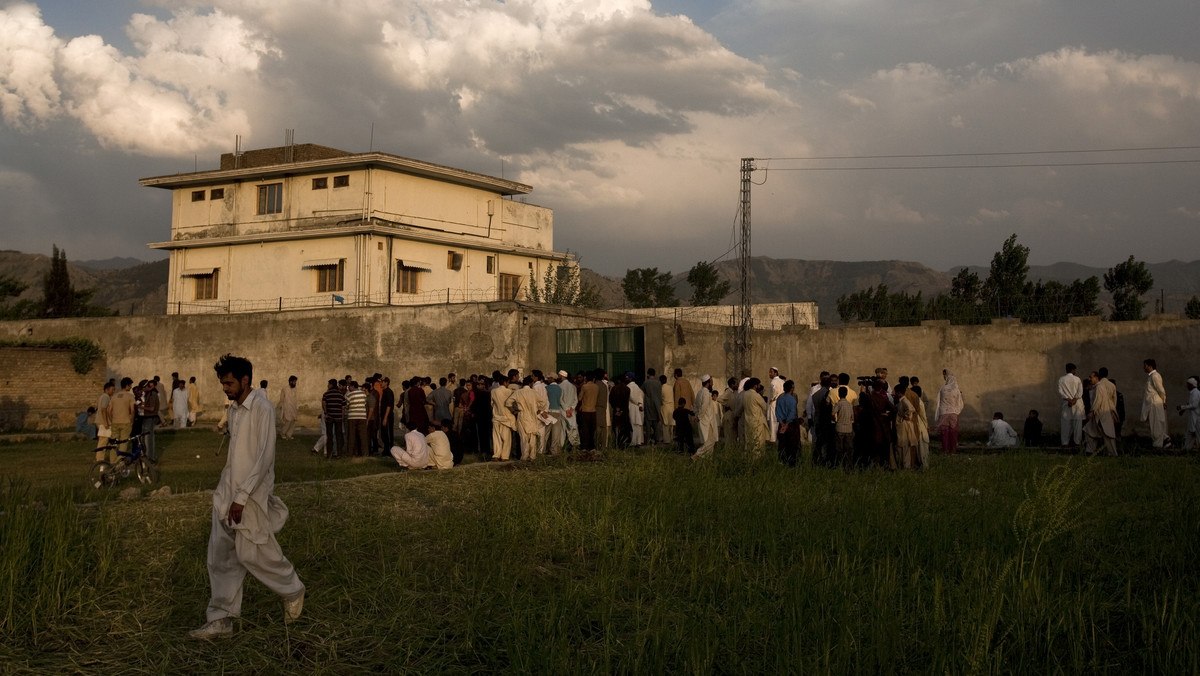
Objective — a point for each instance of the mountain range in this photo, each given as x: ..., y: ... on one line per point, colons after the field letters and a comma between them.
x: 133, y: 287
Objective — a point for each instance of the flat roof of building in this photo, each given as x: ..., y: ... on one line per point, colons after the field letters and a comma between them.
x: 268, y: 163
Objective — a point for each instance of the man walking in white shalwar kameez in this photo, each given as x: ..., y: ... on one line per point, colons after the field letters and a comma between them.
x: 246, y: 514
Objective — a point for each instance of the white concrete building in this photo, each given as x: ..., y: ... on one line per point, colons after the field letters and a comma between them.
x: 305, y: 226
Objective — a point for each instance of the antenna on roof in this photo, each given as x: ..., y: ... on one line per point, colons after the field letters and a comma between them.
x: 237, y: 151
x: 289, y: 145
x: 371, y: 145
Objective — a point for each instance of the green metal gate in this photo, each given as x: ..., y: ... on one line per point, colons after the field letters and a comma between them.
x: 616, y: 350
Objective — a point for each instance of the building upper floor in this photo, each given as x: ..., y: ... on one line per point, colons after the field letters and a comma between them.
x: 279, y: 193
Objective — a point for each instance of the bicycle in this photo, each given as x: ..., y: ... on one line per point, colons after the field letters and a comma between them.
x: 104, y: 474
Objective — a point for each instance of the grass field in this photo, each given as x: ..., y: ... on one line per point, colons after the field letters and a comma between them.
x: 644, y: 562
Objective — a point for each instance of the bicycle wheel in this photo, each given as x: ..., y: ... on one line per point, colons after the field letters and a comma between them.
x: 147, y: 472
x: 101, y: 475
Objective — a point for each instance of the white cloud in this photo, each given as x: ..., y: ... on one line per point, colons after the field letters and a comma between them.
x: 28, y: 92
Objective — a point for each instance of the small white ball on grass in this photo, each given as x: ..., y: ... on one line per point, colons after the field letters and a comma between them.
x: 197, y: 457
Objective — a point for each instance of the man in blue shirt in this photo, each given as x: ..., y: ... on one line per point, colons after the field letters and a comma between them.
x: 789, y: 426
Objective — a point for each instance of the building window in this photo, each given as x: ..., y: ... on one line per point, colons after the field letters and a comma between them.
x: 341, y: 181
x: 491, y: 265
x: 320, y: 183
x: 197, y: 195
x: 408, y: 279
x: 331, y: 277
x: 270, y: 198
x: 454, y: 260
x: 206, y: 286
x: 216, y: 194
x: 510, y: 286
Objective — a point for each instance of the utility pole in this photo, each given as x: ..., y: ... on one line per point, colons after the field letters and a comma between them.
x: 743, y: 324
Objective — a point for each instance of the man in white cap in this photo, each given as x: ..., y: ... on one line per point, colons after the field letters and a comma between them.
x: 1192, y: 410
x: 708, y: 412
x: 775, y: 383
x: 570, y: 402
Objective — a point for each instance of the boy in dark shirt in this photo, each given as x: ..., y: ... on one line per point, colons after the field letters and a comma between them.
x: 684, y: 441
x: 1032, y: 434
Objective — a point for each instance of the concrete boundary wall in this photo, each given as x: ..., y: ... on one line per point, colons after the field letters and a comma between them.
x: 1005, y: 366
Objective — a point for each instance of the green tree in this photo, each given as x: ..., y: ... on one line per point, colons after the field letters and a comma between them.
x: 1127, y: 282
x: 60, y: 298
x: 1006, y: 288
x: 58, y: 295
x: 1192, y: 310
x: 647, y: 287
x: 707, y: 286
x: 561, y: 286
x: 876, y: 304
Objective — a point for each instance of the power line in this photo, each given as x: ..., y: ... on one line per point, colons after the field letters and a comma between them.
x: 986, y: 154
x: 985, y: 166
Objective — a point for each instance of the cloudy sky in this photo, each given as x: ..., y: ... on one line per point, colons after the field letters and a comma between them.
x: 629, y: 117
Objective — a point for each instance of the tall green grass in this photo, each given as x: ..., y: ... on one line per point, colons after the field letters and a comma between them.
x: 647, y: 563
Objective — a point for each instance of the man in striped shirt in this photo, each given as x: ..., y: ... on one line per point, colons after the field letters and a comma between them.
x: 333, y: 405
x: 356, y: 420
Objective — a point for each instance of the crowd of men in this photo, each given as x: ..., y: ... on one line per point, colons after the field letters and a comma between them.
x: 125, y: 410
x: 844, y: 421
x: 1093, y: 411
x: 503, y: 416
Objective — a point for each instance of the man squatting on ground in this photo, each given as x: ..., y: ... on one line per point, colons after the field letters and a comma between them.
x: 246, y: 514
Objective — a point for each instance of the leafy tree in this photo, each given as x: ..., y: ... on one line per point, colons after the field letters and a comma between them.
x: 561, y: 286
x: 58, y: 295
x: 647, y: 287
x: 1005, y: 289
x: 876, y: 304
x: 1192, y: 310
x: 60, y: 298
x: 1127, y: 282
x: 707, y: 286
x: 966, y: 287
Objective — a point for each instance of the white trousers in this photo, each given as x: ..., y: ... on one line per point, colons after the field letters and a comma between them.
x: 231, y: 555
x: 708, y: 434
x: 1158, y: 425
x: 406, y: 459
x: 501, y: 441
x: 531, y: 443
x: 557, y: 433
x: 1070, y: 427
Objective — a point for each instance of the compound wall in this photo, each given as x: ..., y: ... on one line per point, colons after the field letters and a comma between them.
x: 1006, y: 366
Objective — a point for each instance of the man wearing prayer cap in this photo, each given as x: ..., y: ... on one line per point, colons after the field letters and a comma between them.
x: 775, y: 385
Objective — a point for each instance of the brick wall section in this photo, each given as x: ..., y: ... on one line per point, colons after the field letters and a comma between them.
x: 266, y: 157
x: 58, y: 392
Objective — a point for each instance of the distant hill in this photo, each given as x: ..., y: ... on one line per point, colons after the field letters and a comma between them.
x: 109, y: 263
x: 137, y: 290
